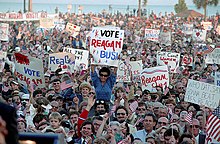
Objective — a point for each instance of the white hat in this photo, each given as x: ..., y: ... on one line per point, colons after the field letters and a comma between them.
x: 17, y: 49
x: 25, y: 96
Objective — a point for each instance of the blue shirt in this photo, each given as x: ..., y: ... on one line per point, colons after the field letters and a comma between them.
x: 103, y: 91
x: 141, y: 134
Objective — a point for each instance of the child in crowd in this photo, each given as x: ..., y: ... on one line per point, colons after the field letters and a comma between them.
x: 55, y: 120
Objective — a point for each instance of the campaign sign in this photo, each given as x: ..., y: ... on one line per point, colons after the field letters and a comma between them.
x: 47, y: 23
x: 165, y: 38
x: 61, y: 60
x: 202, y: 93
x: 59, y: 24
x: 125, y: 70
x: 207, y: 25
x: 106, y: 45
x: 4, y: 31
x: 213, y: 57
x: 199, y: 35
x: 155, y: 76
x: 187, y: 60
x: 170, y: 59
x: 72, y: 29
x: 29, y: 70
x: 217, y: 78
x: 3, y: 56
x: 188, y: 29
x: 81, y: 57
x: 152, y: 34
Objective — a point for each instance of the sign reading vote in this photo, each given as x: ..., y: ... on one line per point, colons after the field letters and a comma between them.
x: 61, y: 60
x: 202, y: 93
x: 106, y: 45
x: 170, y: 59
x: 155, y: 76
x: 29, y: 70
x: 81, y: 57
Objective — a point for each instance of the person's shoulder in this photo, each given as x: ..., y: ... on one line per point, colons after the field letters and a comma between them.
x: 6, y: 107
x: 139, y: 132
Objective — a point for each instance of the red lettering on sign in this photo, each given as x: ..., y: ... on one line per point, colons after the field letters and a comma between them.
x: 22, y: 59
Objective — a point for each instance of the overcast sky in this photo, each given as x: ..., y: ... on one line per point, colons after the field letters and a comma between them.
x: 120, y: 2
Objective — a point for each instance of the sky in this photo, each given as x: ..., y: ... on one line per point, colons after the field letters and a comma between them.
x: 104, y: 2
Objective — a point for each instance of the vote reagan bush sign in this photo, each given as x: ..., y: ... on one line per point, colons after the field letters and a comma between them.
x: 106, y: 45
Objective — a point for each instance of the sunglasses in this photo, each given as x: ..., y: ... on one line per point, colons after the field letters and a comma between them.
x: 102, y: 75
x: 120, y: 114
x: 56, y: 83
x: 141, y: 109
x: 164, y: 123
x: 91, y: 93
x: 100, y: 101
x: 54, y: 107
x: 195, y: 126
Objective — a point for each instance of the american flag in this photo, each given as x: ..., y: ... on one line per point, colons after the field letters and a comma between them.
x: 213, y: 126
x: 166, y: 91
x: 66, y: 84
x: 208, y: 49
x: 188, y: 118
x: 138, y: 121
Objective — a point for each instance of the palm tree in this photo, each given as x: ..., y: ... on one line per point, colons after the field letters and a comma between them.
x: 204, y: 3
x: 139, y: 6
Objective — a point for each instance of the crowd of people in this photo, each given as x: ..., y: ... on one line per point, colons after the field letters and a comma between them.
x: 97, y: 109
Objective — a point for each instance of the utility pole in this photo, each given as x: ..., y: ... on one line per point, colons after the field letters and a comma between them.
x: 30, y: 6
x: 24, y: 6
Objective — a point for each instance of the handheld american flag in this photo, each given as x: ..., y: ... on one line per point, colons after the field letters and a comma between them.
x: 208, y: 49
x: 66, y: 84
x: 213, y: 127
x: 188, y: 118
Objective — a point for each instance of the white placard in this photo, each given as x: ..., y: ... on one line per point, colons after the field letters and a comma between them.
x: 188, y: 29
x: 125, y: 70
x: 172, y: 60
x: 199, y: 35
x: 152, y: 34
x: 106, y: 45
x: 29, y: 70
x: 202, y: 93
x: 4, y: 31
x: 155, y: 76
x: 3, y: 56
x: 61, y: 60
x: 81, y: 57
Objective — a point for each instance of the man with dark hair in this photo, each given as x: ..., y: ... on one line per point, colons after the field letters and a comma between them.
x: 171, y: 136
x: 97, y: 121
x: 37, y: 94
x: 149, y: 122
x: 186, y: 137
x: 101, y: 107
x: 122, y: 116
x: 87, y: 131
